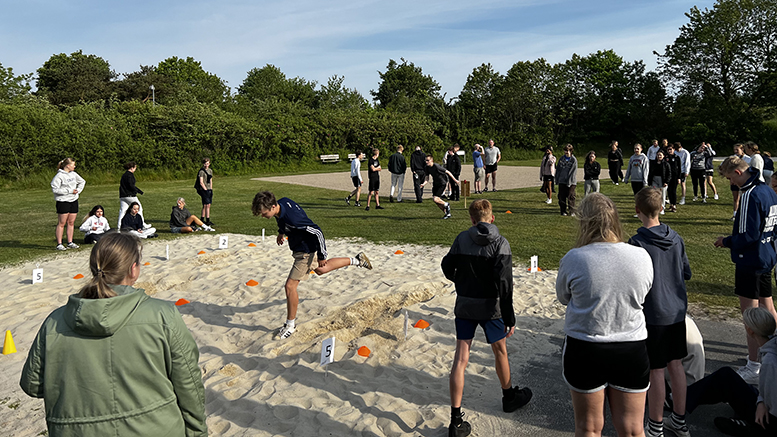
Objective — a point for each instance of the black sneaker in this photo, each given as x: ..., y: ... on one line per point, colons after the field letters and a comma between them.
x: 485, y: 190
x: 379, y: 207
x: 348, y: 200
x: 735, y: 427
x: 391, y: 199
x: 367, y: 208
x: 209, y: 223
x: 519, y: 398
x: 462, y: 430
x: 358, y: 204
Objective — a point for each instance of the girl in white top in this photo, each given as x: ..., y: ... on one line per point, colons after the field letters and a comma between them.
x: 95, y: 225
x: 66, y: 186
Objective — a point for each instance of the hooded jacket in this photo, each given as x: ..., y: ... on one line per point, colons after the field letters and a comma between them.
x: 178, y: 217
x: 660, y: 169
x: 638, y: 169
x: 417, y: 161
x: 767, y: 379
x: 667, y: 300
x: 480, y: 263
x: 304, y: 235
x: 121, y: 366
x: 63, y: 184
x: 751, y: 241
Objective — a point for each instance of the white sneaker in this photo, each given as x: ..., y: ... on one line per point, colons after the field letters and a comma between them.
x: 72, y: 245
x: 716, y: 197
x: 208, y: 228
x: 682, y: 201
x: 548, y: 201
x: 662, y: 212
x: 286, y: 331
x: 695, y: 198
x: 636, y: 216
x: 679, y: 430
x: 750, y: 375
x: 61, y: 247
x: 704, y: 200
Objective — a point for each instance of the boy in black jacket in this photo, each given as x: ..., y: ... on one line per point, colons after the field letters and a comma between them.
x: 454, y: 166
x: 480, y: 264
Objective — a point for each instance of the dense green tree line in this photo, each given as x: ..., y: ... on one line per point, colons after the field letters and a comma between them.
x: 717, y: 82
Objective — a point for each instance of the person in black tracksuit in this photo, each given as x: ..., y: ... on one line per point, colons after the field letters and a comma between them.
x: 615, y: 162
x: 454, y: 166
x: 480, y: 265
x: 417, y: 166
x: 675, y: 166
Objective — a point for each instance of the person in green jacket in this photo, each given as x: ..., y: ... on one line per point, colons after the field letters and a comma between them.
x: 113, y: 361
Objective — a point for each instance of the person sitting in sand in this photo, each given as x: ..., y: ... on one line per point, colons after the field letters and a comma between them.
x: 94, y: 225
x: 114, y: 361
x: 480, y: 264
x: 134, y: 224
x: 181, y: 220
x: 308, y: 247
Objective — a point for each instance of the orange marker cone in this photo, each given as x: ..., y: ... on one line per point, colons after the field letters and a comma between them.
x: 363, y: 351
x: 202, y: 252
x: 9, y: 347
x: 399, y: 252
x: 146, y: 263
x: 251, y: 245
x: 508, y: 212
x: 421, y: 324
x: 538, y: 269
x: 252, y: 283
x: 181, y: 301
x: 78, y: 276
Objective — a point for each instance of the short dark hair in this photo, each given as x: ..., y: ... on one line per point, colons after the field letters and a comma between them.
x: 129, y: 165
x: 263, y: 200
x: 430, y: 156
x: 649, y: 201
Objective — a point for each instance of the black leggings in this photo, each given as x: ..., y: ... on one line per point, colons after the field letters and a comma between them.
x: 671, y: 191
x: 636, y: 186
x: 615, y: 172
x: 699, y: 177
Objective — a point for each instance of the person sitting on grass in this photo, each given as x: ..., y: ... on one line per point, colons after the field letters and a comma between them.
x: 181, y: 220
x: 308, y: 249
x: 94, y: 225
x: 134, y: 224
x: 440, y: 179
x: 480, y: 264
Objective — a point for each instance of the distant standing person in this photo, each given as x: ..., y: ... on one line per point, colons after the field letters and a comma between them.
x: 685, y: 167
x: 440, y: 177
x: 397, y: 168
x: 454, y: 166
x: 756, y: 160
x: 204, y: 186
x: 652, y: 150
x: 674, y: 179
x: 306, y: 240
x: 615, y: 162
x: 566, y: 179
x: 709, y: 168
x: 478, y: 168
x: 128, y: 192
x: 373, y: 179
x: 356, y: 178
x: 591, y: 172
x: 739, y: 152
x: 638, y: 170
x: 480, y: 264
x: 417, y: 166
x: 493, y: 156
x: 548, y: 173
x: 66, y: 186
x: 659, y: 176
x: 698, y: 172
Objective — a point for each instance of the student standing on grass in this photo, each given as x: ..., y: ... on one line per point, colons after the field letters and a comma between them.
x: 566, y: 179
x: 440, y: 177
x: 685, y: 167
x: 66, y: 186
x: 417, y: 166
x: 752, y: 248
x: 659, y: 176
x: 665, y: 307
x: 204, y: 186
x: 308, y: 247
x: 480, y: 264
x: 397, y: 167
x: 674, y: 178
x: 699, y: 172
x: 454, y: 166
x: 638, y: 170
x: 615, y: 162
x: 356, y: 178
x: 756, y: 160
x: 739, y: 152
x: 477, y: 168
x: 493, y: 155
x: 373, y: 179
x: 605, y: 356
x: 591, y: 172
x: 548, y: 173
x: 128, y: 192
x: 652, y: 150
x: 709, y: 170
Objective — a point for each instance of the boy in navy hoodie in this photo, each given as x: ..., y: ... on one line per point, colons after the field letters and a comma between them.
x: 307, y: 244
x: 664, y: 309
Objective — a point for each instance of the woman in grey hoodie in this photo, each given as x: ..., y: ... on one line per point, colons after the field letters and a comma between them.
x: 66, y: 186
x: 638, y: 170
x: 757, y: 409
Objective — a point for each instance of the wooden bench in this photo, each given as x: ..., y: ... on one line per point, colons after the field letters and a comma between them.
x: 463, y: 155
x: 352, y: 156
x: 329, y: 158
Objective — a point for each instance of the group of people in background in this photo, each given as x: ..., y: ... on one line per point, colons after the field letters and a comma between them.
x: 67, y: 186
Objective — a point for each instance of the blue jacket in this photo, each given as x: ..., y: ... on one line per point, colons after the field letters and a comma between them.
x: 667, y: 301
x: 751, y: 241
x: 304, y: 235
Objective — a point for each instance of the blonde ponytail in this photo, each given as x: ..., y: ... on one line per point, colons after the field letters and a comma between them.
x: 111, y: 262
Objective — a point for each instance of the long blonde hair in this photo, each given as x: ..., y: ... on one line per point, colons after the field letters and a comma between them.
x: 599, y: 222
x: 111, y: 262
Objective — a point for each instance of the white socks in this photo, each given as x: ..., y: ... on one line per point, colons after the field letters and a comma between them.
x: 290, y: 323
x: 354, y: 262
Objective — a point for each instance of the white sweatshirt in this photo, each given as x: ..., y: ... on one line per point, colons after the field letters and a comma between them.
x: 63, y: 184
x: 101, y: 223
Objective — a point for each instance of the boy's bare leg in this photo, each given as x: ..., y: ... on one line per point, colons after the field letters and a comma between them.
x: 456, y: 380
x: 679, y: 386
x: 440, y: 203
x: 502, y: 363
x: 332, y: 264
x: 292, y: 299
x: 656, y: 394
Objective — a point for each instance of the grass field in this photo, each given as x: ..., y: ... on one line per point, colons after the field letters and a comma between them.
x: 28, y: 219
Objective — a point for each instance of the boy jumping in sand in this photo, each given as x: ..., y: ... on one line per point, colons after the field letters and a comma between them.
x: 307, y: 244
x: 480, y: 264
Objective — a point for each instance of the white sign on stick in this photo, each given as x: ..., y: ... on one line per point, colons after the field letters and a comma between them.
x: 167, y: 252
x: 327, y: 351
x: 223, y: 241
x: 407, y: 323
x: 262, y: 234
x: 534, y: 262
x: 37, y: 275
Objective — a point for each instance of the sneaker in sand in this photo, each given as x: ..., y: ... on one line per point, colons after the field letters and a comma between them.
x: 364, y: 262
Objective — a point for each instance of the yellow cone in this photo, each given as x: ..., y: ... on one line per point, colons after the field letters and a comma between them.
x: 8, y: 346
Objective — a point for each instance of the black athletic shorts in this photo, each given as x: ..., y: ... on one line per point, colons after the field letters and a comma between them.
x: 751, y: 285
x: 666, y: 343
x: 547, y: 178
x: 356, y: 181
x: 437, y: 190
x: 67, y: 207
x: 374, y: 184
x: 491, y: 168
x: 682, y: 177
x: 589, y: 367
x: 206, y: 196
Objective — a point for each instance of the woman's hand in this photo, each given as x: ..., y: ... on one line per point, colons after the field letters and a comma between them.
x: 762, y: 415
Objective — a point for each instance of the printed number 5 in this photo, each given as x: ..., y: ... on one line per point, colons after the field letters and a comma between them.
x: 328, y: 350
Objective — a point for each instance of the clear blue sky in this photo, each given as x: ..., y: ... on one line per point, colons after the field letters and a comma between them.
x: 355, y: 39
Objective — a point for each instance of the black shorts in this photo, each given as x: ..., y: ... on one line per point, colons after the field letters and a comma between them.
x: 356, y: 181
x: 590, y: 367
x: 67, y: 207
x: 752, y: 285
x: 666, y: 343
x: 374, y: 184
x: 734, y: 187
x: 709, y: 172
x: 682, y: 177
x: 547, y: 178
x: 437, y: 190
x: 494, y: 329
x: 491, y: 168
x: 206, y: 196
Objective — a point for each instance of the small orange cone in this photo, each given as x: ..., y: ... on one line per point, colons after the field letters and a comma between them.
x: 146, y: 263
x: 9, y: 347
x: 202, y: 252
x: 363, y: 351
x: 252, y: 283
x: 181, y: 301
x: 251, y: 245
x: 421, y: 324
x: 508, y: 212
x: 399, y: 252
x: 78, y: 276
x: 538, y: 269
